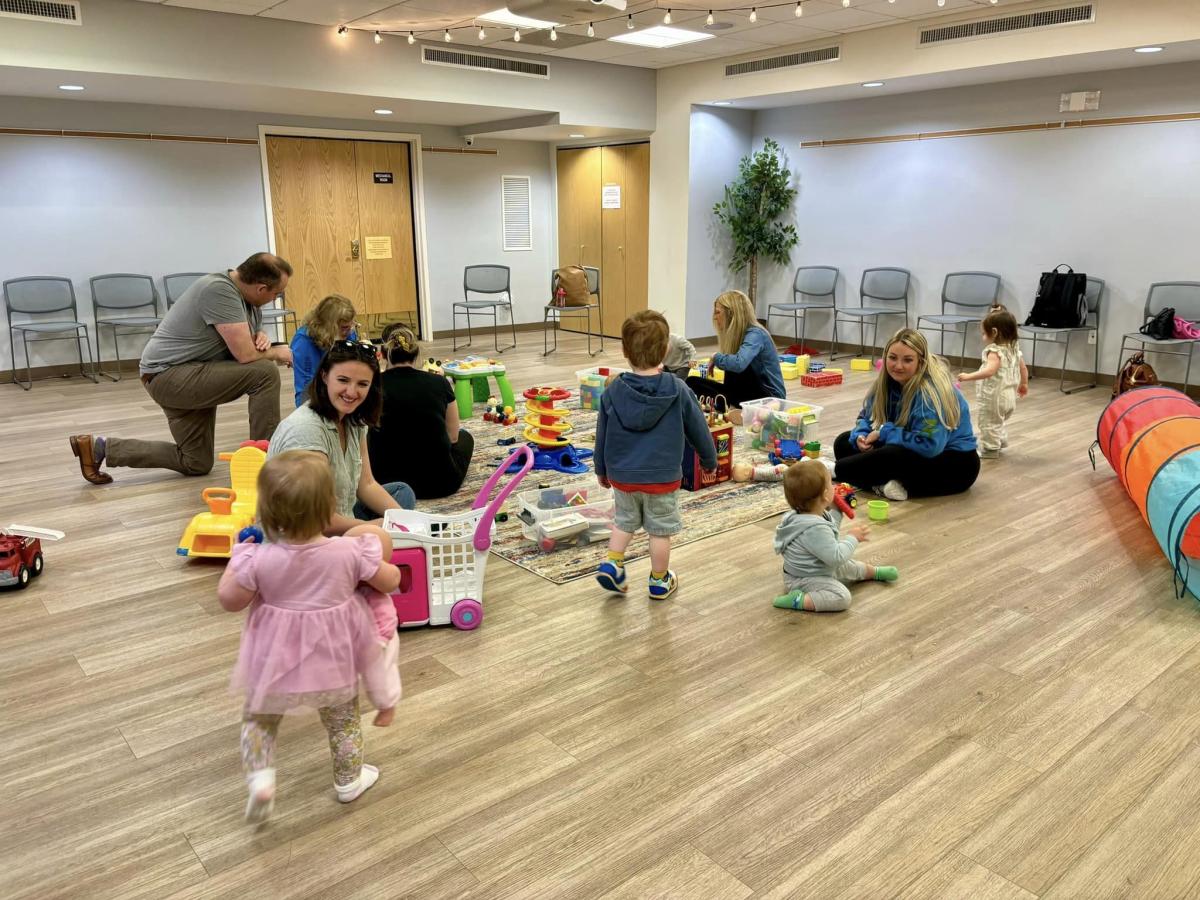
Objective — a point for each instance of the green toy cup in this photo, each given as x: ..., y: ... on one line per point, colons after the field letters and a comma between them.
x: 877, y: 510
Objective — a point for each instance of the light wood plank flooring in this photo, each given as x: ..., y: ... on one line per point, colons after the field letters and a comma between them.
x: 1015, y: 718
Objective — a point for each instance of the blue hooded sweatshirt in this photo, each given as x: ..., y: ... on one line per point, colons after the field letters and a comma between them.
x: 643, y: 422
x: 925, y: 434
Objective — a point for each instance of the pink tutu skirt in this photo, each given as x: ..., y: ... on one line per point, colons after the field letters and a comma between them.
x: 309, y: 658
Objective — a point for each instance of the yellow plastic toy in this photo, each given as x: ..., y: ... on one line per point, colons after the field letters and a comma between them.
x: 545, y: 424
x: 213, y: 533
x: 860, y: 365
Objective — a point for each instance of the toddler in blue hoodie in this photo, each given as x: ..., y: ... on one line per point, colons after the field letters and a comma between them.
x: 645, y: 416
x: 818, y: 563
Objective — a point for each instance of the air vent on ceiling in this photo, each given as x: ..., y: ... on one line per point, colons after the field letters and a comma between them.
x: 787, y: 61
x: 62, y: 13
x: 982, y: 28
x: 458, y: 59
x: 517, y: 219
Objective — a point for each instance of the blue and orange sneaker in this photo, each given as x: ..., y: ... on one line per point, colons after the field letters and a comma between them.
x: 611, y: 577
x: 662, y: 588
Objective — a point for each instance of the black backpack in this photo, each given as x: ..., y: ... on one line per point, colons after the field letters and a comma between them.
x: 1061, y: 299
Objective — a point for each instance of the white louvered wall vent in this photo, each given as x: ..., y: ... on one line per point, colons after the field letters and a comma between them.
x: 461, y: 59
x: 984, y: 28
x: 518, y: 221
x: 787, y: 61
x: 63, y: 12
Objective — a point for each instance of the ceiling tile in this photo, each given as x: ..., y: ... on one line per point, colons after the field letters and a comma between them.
x: 322, y: 12
x: 918, y: 9
x: 240, y: 7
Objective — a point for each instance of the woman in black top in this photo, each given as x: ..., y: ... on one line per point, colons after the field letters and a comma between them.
x: 418, y: 433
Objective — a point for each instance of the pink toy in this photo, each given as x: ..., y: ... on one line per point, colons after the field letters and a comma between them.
x: 412, y: 597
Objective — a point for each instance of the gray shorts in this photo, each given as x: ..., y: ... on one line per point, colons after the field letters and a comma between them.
x: 657, y: 513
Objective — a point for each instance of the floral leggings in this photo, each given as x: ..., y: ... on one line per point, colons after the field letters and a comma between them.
x: 342, y: 724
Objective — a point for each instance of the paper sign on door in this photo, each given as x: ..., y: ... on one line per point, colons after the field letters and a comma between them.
x: 379, y: 247
x: 610, y: 196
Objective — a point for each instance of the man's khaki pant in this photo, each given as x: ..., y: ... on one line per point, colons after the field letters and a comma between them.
x: 189, y: 395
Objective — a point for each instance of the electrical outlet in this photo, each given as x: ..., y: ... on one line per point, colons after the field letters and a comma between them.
x: 1091, y: 337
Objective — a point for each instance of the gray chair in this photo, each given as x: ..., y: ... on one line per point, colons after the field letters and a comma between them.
x: 44, y: 295
x: 1185, y: 297
x: 973, y: 294
x: 489, y: 280
x: 814, y: 287
x: 113, y: 298
x: 1095, y: 292
x: 886, y: 288
x: 279, y: 315
x: 178, y: 282
x: 553, y: 314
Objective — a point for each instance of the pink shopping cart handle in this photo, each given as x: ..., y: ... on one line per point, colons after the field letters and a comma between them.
x: 483, y: 531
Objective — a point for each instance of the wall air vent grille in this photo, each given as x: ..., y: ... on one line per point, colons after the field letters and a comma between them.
x: 62, y: 13
x: 459, y: 59
x: 787, y: 61
x: 983, y: 28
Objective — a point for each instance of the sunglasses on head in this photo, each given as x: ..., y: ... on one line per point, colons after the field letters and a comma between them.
x: 363, y: 349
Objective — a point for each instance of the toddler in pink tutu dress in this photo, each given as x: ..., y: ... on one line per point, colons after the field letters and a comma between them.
x: 310, y: 634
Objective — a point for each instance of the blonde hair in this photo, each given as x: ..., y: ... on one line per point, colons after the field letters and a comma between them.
x: 325, y: 320
x: 932, y: 381
x: 804, y: 482
x: 739, y: 318
x: 295, y: 496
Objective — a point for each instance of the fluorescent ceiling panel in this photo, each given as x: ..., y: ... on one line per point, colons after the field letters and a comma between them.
x: 504, y: 17
x: 661, y: 36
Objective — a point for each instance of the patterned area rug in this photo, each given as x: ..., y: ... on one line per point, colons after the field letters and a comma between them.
x: 705, y: 513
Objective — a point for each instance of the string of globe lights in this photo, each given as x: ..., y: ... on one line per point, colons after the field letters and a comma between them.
x: 632, y: 20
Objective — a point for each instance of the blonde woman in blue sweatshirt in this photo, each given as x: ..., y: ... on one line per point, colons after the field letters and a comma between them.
x: 913, y: 436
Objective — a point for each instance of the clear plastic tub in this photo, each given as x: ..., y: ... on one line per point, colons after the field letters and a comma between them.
x: 541, y: 509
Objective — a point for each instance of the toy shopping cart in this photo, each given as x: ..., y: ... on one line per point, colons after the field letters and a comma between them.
x: 442, y: 556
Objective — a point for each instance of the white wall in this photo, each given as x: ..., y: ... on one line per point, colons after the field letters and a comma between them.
x: 725, y: 136
x: 80, y: 207
x: 1115, y: 202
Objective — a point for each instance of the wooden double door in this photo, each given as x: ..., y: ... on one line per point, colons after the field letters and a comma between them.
x: 343, y: 217
x: 604, y: 221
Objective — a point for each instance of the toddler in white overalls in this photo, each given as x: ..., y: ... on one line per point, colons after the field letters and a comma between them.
x: 1002, y: 378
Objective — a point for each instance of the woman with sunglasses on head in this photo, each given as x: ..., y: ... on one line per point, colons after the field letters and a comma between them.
x: 421, y: 404
x: 330, y: 320
x: 344, y: 399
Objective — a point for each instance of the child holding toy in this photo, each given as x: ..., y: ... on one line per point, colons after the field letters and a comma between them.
x: 645, y: 416
x: 309, y: 636
x: 818, y: 563
x: 1002, y: 378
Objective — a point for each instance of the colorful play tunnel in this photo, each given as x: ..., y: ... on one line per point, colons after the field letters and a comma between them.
x: 1151, y: 438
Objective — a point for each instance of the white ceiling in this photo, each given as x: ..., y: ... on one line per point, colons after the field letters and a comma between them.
x: 777, y: 25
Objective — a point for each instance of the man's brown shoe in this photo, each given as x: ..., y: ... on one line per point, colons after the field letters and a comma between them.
x: 81, y: 446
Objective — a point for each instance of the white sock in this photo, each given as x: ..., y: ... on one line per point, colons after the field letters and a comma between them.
x: 347, y: 793
x: 894, y: 490
x: 261, y: 785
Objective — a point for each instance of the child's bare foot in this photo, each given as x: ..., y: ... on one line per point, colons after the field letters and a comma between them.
x: 384, y: 717
x: 734, y: 416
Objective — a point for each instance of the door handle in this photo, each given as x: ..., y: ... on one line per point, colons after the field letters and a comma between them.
x: 354, y: 248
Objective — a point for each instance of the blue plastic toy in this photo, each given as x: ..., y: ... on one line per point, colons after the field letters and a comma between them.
x: 250, y: 534
x: 568, y: 459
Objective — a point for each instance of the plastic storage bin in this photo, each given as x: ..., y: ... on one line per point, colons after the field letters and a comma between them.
x: 591, y: 384
x: 579, y: 514
x: 786, y: 419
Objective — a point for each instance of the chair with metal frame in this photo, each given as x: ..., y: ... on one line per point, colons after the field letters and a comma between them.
x: 117, y: 293
x: 177, y: 282
x: 279, y: 316
x: 1184, y: 296
x: 553, y: 314
x: 41, y: 295
x: 485, y: 279
x: 818, y: 282
x: 1095, y: 291
x: 974, y: 293
x: 883, y: 285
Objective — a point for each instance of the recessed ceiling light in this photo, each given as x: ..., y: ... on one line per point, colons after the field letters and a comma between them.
x: 1147, y: 49
x: 576, y: 135
x: 383, y: 112
x: 503, y: 17
x: 722, y: 103
x: 70, y: 87
x: 872, y: 84
x: 661, y: 36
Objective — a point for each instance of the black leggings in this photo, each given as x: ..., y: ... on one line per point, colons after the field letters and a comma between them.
x: 737, y: 388
x: 951, y: 472
x: 446, y: 478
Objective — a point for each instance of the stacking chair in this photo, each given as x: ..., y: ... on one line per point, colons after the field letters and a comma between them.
x: 886, y: 289
x: 972, y: 294
x: 1185, y: 297
x: 488, y: 280
x: 113, y: 297
x: 1095, y: 291
x: 813, y: 288
x: 33, y: 298
x: 553, y: 314
x: 176, y: 284
x: 279, y: 315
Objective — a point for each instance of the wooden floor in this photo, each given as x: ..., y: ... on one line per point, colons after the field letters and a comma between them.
x: 1015, y: 718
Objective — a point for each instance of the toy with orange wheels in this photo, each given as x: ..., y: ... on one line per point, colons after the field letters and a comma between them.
x: 546, y: 430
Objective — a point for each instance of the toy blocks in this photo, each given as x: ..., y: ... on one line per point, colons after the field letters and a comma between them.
x: 860, y: 365
x: 821, y: 379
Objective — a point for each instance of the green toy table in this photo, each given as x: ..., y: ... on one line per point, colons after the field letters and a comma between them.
x: 471, y: 384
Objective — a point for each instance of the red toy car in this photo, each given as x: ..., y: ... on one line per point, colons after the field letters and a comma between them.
x: 21, y: 554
